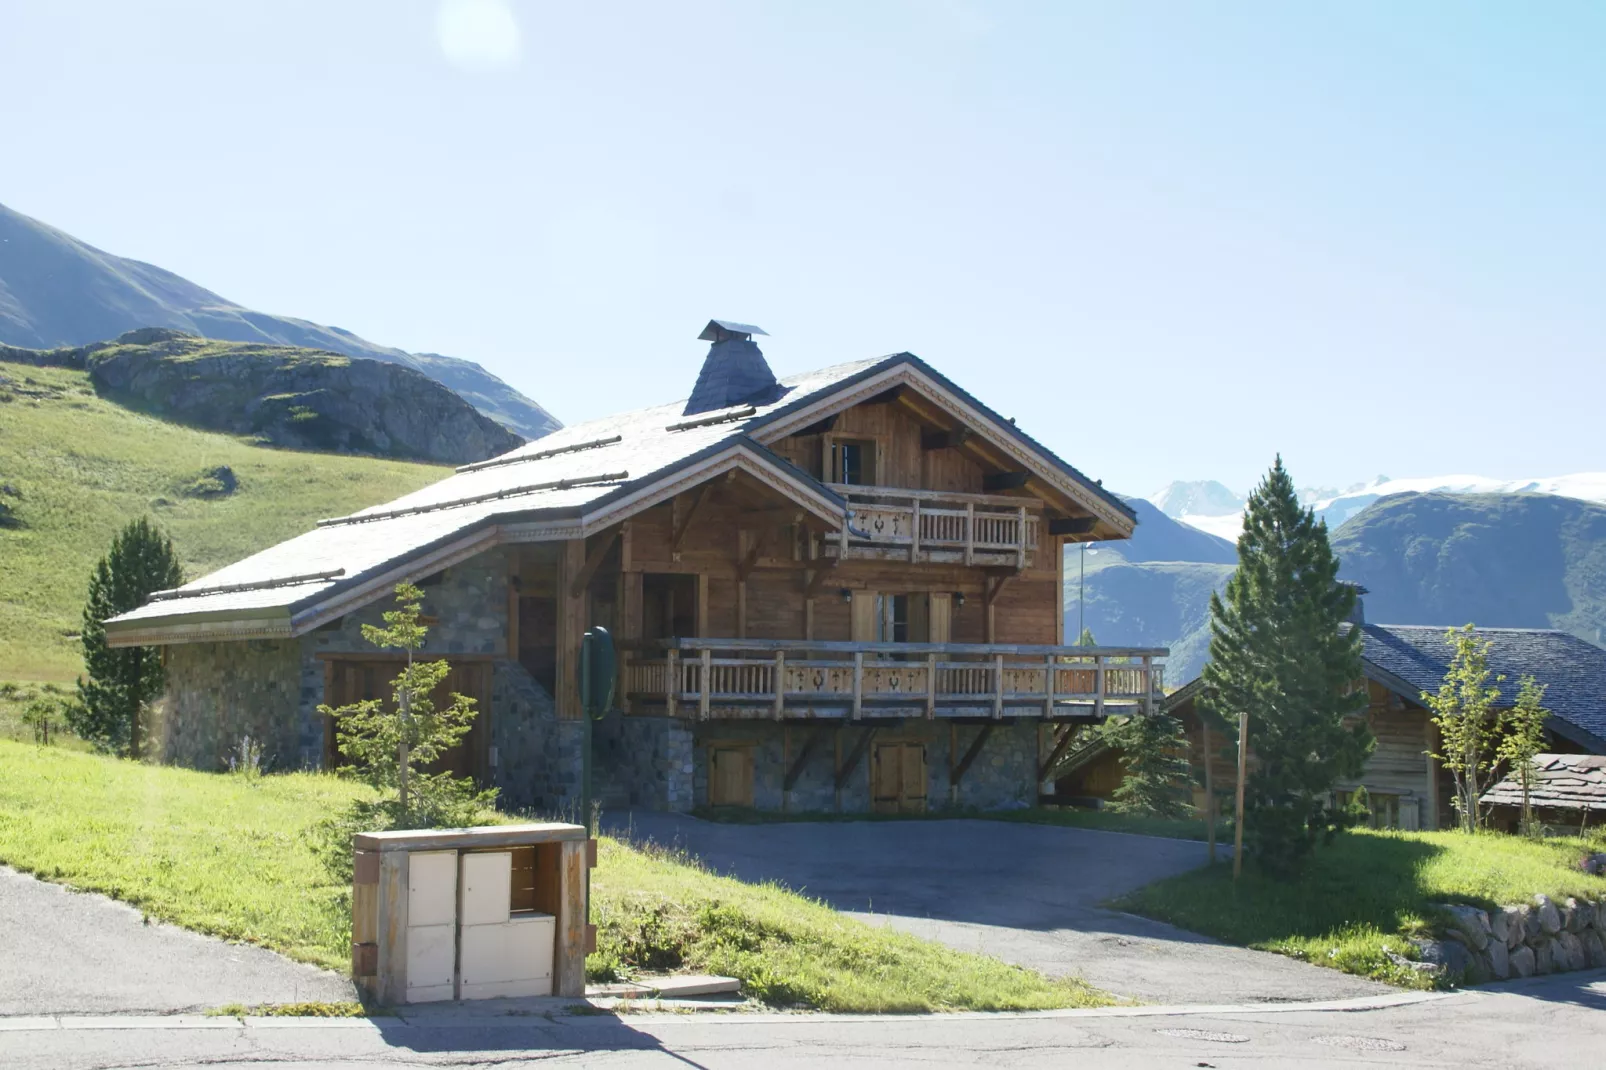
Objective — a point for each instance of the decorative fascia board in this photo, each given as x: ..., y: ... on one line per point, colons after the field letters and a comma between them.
x: 966, y: 414
x: 200, y: 631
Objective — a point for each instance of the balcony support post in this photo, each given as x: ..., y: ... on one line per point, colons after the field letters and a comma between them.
x: 1148, y: 686
x: 931, y: 686
x: 914, y: 534
x: 858, y: 683
x: 998, y: 686
x: 970, y: 534
x: 1054, y: 756
x: 1020, y: 540
x: 672, y: 682
x: 705, y: 683
x: 1050, y: 670
x: 780, y: 681
x: 1098, y: 685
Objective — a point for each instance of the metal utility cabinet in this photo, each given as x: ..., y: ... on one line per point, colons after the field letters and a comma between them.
x: 475, y: 913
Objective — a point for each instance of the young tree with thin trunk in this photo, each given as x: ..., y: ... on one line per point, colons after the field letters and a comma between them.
x: 122, y: 681
x: 1463, y: 714
x: 1281, y: 652
x: 1523, y: 741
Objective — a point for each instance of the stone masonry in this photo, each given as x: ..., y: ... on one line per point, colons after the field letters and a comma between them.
x: 1002, y: 777
x: 1518, y: 941
x: 220, y: 693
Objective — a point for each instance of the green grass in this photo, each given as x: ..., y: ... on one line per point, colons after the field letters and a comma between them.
x: 1368, y: 891
x: 228, y: 856
x: 1104, y: 820
x: 82, y: 467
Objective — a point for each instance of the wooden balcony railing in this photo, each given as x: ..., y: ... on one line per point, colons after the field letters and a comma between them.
x: 930, y: 525
x: 749, y: 678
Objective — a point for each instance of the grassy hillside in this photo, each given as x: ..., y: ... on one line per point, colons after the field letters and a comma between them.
x: 75, y: 468
x: 1498, y: 560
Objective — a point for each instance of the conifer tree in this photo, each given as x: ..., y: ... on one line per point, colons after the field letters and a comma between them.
x: 1158, y: 775
x: 123, y: 680
x: 1280, y: 652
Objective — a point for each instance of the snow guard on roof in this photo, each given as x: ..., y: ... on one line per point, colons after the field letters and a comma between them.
x: 734, y: 372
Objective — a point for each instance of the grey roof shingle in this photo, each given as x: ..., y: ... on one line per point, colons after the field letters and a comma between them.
x: 1561, y: 782
x: 1573, y: 671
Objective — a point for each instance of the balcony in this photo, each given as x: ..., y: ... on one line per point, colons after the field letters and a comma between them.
x: 894, y: 523
x: 798, y: 679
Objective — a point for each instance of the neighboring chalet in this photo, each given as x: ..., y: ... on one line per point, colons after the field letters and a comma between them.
x: 838, y: 590
x: 1407, y: 789
x: 1567, y: 792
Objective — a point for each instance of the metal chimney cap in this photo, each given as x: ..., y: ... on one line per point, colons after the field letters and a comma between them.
x: 719, y: 330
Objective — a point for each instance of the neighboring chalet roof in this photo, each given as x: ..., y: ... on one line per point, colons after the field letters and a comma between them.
x: 569, y: 484
x: 1561, y: 782
x: 1409, y: 659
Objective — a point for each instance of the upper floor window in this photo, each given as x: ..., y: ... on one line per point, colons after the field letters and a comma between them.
x: 853, y: 461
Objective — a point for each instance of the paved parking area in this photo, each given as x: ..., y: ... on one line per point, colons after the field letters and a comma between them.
x: 1027, y: 894
x: 66, y: 952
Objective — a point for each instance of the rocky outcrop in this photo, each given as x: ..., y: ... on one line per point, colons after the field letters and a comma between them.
x: 294, y: 398
x: 1515, y: 941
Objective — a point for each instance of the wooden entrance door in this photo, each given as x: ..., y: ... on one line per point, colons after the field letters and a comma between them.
x: 730, y: 775
x: 898, y: 778
x: 352, y: 680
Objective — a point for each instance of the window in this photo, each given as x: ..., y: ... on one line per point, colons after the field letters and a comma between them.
x: 853, y: 461
x: 1385, y: 808
x: 892, y: 618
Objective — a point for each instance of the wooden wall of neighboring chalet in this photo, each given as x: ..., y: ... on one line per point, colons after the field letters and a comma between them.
x: 900, y: 460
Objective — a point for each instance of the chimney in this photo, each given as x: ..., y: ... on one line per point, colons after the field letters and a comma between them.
x: 1357, y: 615
x: 734, y: 372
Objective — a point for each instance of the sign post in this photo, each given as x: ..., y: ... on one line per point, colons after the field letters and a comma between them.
x: 1238, y: 818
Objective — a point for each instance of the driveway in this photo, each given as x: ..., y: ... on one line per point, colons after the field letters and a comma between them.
x: 66, y: 952
x: 1028, y: 894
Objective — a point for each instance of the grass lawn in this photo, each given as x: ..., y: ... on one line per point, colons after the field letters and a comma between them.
x: 1105, y: 820
x: 1366, y: 892
x: 75, y: 468
x: 225, y: 855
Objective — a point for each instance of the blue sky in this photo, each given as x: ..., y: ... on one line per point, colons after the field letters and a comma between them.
x: 1171, y: 239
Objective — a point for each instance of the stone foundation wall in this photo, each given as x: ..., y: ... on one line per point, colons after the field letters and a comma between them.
x: 1002, y: 777
x: 537, y: 755
x: 644, y: 762
x: 219, y: 693
x: 469, y: 604
x: 1518, y: 941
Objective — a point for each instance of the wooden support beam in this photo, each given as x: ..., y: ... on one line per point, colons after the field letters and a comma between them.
x: 683, y: 525
x: 745, y: 563
x: 780, y: 682
x: 758, y: 519
x: 931, y: 686
x: 851, y: 763
x: 593, y: 561
x: 965, y: 763
x: 571, y: 628
x: 1061, y: 744
x: 944, y: 440
x: 818, y: 427
x: 997, y: 481
x: 998, y: 687
x: 1072, y: 525
x: 816, y: 739
x: 824, y: 573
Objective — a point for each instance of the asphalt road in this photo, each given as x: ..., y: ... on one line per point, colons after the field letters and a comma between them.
x: 64, y: 952
x: 1552, y: 1023
x: 1028, y: 894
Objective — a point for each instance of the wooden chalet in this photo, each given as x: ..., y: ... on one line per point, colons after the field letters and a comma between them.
x: 841, y: 589
x: 1406, y: 788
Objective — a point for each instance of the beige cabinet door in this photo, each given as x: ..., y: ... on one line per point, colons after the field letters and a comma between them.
x: 730, y: 776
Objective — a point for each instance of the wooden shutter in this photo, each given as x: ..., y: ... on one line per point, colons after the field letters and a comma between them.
x: 941, y: 610
x: 864, y: 617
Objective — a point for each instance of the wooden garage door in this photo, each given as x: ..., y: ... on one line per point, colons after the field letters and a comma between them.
x: 730, y: 775
x: 355, y: 680
x: 898, y: 778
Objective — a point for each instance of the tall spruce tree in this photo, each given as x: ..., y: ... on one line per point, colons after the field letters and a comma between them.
x: 1279, y: 652
x: 123, y: 680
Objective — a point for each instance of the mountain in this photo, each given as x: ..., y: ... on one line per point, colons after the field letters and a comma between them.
x: 1151, y: 590
x: 1503, y: 560
x: 75, y: 467
x: 283, y: 396
x: 56, y: 291
x: 1210, y: 506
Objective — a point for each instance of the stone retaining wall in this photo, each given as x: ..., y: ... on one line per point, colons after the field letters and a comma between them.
x: 1519, y: 941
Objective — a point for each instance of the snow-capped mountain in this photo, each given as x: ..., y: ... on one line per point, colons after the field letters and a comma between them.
x: 1211, y: 507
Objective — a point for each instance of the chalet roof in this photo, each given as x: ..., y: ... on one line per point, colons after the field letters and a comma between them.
x: 1561, y: 782
x: 1573, y: 671
x: 1410, y: 659
x: 565, y: 485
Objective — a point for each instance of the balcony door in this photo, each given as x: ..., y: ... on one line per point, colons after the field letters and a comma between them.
x: 887, y: 617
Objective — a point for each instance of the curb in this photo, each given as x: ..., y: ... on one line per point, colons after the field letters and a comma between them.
x: 561, y: 1016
